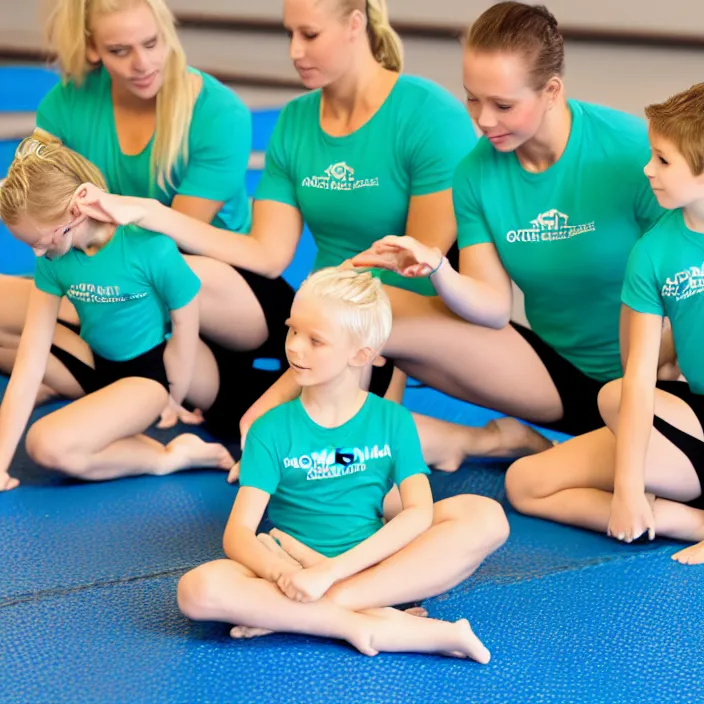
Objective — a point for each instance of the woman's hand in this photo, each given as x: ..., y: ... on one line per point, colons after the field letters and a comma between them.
x: 106, y: 207
x: 402, y: 255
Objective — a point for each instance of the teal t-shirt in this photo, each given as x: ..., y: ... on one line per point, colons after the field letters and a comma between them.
x: 123, y: 293
x: 219, y: 144
x: 665, y: 276
x: 564, y: 235
x: 356, y: 189
x: 327, y: 485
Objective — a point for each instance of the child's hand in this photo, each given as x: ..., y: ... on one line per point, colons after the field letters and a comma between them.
x: 7, y: 482
x: 631, y: 516
x: 693, y: 555
x: 308, y: 584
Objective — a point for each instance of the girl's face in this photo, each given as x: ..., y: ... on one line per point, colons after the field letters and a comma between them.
x: 50, y: 239
x: 500, y: 99
x: 132, y: 49
x: 322, y: 43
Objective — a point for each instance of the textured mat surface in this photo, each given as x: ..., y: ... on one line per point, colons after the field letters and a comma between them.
x: 89, y: 572
x: 628, y: 631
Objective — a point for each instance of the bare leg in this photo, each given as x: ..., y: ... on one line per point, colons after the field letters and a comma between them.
x: 573, y: 483
x: 226, y: 591
x: 230, y: 313
x: 14, y: 299
x: 465, y: 530
x: 115, y: 447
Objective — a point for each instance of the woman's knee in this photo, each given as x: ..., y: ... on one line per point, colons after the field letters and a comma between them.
x: 46, y: 447
x: 609, y: 401
x: 198, y: 593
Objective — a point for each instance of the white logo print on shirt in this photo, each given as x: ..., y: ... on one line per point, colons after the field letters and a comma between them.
x: 337, y: 461
x: 90, y: 293
x: 549, y: 226
x: 339, y: 177
x: 684, y: 284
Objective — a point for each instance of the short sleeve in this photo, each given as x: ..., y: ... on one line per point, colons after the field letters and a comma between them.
x: 438, y: 143
x: 258, y: 465
x: 54, y: 111
x: 219, y: 146
x: 45, y: 279
x: 472, y: 227
x: 405, y: 449
x: 277, y: 183
x: 173, y: 279
x: 641, y: 291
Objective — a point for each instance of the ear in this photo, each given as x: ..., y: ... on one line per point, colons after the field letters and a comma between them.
x: 362, y: 357
x: 358, y: 23
x: 92, y: 53
x: 553, y: 89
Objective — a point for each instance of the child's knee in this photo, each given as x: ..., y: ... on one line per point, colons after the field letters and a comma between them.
x: 494, y: 524
x: 198, y: 593
x: 481, y: 517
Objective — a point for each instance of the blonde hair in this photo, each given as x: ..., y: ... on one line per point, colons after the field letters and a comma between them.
x: 175, y: 101
x: 385, y: 43
x: 680, y: 119
x: 42, y: 180
x: 362, y: 306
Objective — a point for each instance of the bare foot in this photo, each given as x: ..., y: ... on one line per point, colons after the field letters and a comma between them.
x: 468, y: 645
x: 516, y: 439
x: 272, y: 546
x: 189, y: 450
x: 693, y: 555
x: 244, y: 632
x: 305, y: 556
x: 393, y: 612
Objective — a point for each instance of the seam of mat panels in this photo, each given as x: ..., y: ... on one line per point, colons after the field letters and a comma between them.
x: 510, y: 580
x: 470, y: 587
x: 30, y: 597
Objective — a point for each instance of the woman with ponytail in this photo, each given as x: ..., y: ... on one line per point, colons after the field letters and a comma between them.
x: 157, y: 128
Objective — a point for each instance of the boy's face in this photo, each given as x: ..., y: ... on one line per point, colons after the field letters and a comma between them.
x: 318, y: 348
x: 670, y: 177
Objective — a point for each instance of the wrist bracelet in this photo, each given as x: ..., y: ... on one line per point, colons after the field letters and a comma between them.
x: 442, y: 261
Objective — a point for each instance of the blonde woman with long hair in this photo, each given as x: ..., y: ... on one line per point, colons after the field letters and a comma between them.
x: 129, y: 102
x: 137, y: 303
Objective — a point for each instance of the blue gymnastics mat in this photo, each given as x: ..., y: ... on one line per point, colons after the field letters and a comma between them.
x: 89, y: 570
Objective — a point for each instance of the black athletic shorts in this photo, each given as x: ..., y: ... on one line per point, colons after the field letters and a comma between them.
x: 692, y: 447
x: 149, y: 365
x: 578, y: 392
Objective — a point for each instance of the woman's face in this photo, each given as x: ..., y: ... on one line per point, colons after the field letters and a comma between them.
x: 322, y: 42
x: 500, y: 99
x: 132, y: 49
